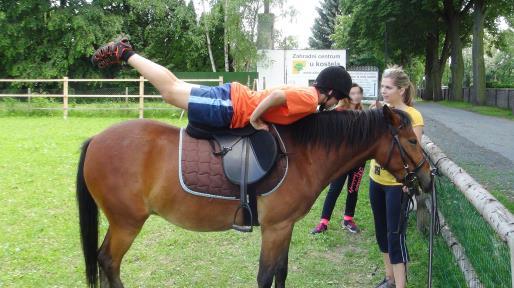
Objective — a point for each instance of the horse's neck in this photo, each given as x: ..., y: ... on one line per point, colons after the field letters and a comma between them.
x: 332, y: 164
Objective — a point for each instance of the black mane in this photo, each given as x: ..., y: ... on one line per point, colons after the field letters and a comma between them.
x: 352, y: 128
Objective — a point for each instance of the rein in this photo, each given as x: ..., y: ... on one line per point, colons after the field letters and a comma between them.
x: 435, y: 225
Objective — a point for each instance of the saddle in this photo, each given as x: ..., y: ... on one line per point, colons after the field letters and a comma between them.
x: 247, y: 156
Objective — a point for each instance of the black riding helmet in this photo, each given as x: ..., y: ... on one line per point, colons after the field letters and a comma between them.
x: 335, y: 78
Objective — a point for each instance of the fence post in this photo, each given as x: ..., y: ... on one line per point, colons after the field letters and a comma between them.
x: 28, y: 94
x: 141, y: 96
x: 126, y: 96
x: 221, y: 80
x: 65, y: 97
x: 422, y: 214
x: 255, y: 84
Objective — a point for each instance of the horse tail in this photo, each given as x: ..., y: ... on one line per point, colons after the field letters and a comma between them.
x: 88, y: 215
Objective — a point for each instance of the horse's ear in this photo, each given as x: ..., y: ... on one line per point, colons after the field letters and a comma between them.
x: 390, y: 116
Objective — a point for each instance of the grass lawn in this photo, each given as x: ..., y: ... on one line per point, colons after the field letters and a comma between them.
x: 40, y: 245
x: 484, y: 110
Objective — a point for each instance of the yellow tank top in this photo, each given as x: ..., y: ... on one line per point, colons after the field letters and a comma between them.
x: 379, y: 174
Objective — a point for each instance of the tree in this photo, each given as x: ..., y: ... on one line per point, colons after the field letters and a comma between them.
x: 164, y: 31
x: 287, y: 43
x: 485, y: 15
x: 240, y: 26
x: 214, y: 25
x: 205, y: 25
x: 455, y: 15
x: 48, y: 39
x: 324, y: 25
x: 500, y: 64
x: 478, y: 53
x: 402, y: 30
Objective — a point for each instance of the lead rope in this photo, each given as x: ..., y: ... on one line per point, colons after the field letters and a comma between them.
x: 435, y: 225
x: 433, y: 211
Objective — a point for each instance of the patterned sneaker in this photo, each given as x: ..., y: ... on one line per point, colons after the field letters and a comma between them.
x: 111, y: 53
x: 350, y: 226
x: 320, y: 228
x: 385, y: 284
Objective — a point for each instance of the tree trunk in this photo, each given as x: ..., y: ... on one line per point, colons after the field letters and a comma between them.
x: 431, y: 66
x: 457, y: 64
x: 209, y: 46
x: 478, y: 53
x: 445, y: 53
x: 225, y: 35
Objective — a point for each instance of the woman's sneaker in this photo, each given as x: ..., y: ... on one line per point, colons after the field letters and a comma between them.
x: 350, y: 226
x: 320, y: 228
x: 385, y: 284
x: 111, y: 53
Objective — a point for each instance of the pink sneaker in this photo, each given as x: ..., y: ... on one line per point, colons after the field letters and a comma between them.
x: 350, y: 226
x: 320, y: 228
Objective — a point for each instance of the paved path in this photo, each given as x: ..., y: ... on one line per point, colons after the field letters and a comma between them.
x: 482, y: 145
x: 495, y: 134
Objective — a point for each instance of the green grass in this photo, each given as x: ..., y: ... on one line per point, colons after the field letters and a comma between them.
x: 39, y: 107
x: 39, y: 236
x: 484, y: 110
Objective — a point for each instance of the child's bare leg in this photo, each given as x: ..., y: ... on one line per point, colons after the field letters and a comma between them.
x: 172, y: 89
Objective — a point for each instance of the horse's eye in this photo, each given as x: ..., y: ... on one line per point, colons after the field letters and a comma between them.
x: 413, y: 141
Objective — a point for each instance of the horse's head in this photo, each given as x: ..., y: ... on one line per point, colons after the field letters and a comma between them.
x: 401, y: 154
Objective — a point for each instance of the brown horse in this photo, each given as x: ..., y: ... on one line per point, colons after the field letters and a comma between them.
x: 131, y: 171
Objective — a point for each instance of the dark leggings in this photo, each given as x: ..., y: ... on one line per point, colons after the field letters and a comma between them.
x: 386, y: 205
x: 354, y: 181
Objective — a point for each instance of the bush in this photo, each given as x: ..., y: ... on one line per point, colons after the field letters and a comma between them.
x: 496, y: 84
x: 10, y: 105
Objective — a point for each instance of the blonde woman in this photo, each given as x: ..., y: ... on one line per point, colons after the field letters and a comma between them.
x: 385, y: 192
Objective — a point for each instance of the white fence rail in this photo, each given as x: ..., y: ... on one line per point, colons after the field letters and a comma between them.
x: 66, y: 95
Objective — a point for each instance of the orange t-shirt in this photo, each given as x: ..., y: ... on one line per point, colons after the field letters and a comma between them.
x: 300, y: 102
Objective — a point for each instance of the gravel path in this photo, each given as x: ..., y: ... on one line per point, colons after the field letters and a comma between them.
x: 482, y: 145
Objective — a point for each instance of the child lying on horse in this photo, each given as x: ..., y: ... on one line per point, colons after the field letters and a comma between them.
x: 232, y: 105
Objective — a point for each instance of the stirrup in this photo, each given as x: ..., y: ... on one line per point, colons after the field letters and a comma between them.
x: 243, y: 228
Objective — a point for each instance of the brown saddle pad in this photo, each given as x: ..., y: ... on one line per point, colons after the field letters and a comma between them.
x: 201, y: 172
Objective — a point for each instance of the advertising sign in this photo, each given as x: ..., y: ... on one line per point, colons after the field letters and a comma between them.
x: 303, y: 66
x: 368, y: 80
x: 295, y: 67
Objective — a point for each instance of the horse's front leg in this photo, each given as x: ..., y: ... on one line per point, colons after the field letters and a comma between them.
x: 274, y: 253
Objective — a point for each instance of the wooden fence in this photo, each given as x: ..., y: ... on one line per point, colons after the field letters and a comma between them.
x: 496, y: 97
x: 66, y: 95
x: 494, y: 213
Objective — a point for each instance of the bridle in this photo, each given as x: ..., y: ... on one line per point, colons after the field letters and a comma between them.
x: 410, y: 177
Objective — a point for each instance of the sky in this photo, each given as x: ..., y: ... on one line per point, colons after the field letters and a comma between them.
x: 299, y: 27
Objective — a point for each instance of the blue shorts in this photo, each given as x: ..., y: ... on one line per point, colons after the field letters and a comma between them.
x: 211, y: 106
